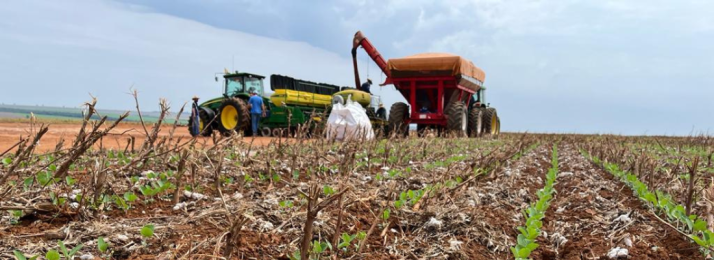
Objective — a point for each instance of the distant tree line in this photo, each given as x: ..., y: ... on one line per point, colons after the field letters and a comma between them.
x: 77, y: 114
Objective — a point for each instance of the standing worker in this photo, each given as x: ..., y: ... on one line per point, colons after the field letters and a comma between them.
x: 381, y: 111
x: 366, y: 85
x: 257, y: 109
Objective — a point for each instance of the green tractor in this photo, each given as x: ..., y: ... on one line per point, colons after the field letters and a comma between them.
x: 294, y: 103
x: 227, y: 113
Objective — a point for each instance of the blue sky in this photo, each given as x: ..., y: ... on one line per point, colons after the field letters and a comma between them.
x: 629, y: 67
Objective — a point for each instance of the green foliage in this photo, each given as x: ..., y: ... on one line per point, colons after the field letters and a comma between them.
x: 57, y: 201
x: 286, y: 204
x: 6, y: 161
x: 320, y: 247
x: 247, y: 179
x: 227, y: 181
x: 134, y: 179
x: 69, y: 254
x: 385, y: 214
x: 102, y: 245
x: 121, y: 203
x: 663, y: 203
x: 157, y: 187
x: 328, y: 190
x: 147, y: 231
x: 410, y: 196
x: 20, y: 256
x: 70, y: 181
x: 526, y: 240
x: 130, y: 196
x: 45, y: 178
x: 52, y: 255
x: 345, y: 240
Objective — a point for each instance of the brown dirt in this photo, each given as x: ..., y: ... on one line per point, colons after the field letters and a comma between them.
x: 476, y: 221
x: 10, y: 134
x: 589, y: 201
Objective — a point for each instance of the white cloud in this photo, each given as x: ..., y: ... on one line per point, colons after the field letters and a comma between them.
x: 590, y: 66
x: 67, y: 49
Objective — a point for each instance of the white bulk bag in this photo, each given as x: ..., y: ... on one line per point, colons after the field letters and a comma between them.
x: 349, y: 121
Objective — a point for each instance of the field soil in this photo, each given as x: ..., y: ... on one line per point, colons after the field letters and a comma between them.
x: 10, y: 133
x: 592, y: 213
x: 412, y: 198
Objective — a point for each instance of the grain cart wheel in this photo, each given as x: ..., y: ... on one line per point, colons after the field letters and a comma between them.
x: 233, y: 116
x: 490, y: 121
x: 475, y: 122
x: 397, y: 115
x: 457, y: 118
x: 205, y: 124
x: 265, y: 131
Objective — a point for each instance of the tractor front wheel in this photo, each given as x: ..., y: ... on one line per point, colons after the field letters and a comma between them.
x: 475, y: 122
x: 398, y: 114
x: 233, y: 115
x: 490, y: 121
x: 457, y: 119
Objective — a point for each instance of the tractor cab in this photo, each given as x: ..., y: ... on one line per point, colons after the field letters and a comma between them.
x: 479, y: 97
x: 241, y: 84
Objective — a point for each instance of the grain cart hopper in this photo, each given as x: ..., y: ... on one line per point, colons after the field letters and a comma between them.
x: 444, y: 92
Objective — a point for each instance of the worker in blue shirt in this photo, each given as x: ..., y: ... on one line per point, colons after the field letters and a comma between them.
x: 366, y: 85
x: 257, y: 109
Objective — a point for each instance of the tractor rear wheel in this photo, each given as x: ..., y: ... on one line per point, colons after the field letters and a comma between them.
x: 205, y: 124
x: 398, y: 114
x: 457, y: 118
x: 233, y: 116
x: 490, y: 121
x: 475, y: 122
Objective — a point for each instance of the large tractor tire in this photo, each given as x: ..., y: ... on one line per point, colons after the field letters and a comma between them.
x: 490, y: 121
x: 398, y: 113
x: 498, y: 129
x: 475, y: 122
x: 233, y: 116
x: 457, y: 118
x: 205, y: 122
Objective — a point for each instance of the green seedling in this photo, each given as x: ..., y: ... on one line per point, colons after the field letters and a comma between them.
x: 526, y: 240
x: 286, y: 204
x: 20, y: 256
x: 102, y: 245
x: 385, y: 214
x: 121, y: 203
x: 52, y: 255
x: 70, y: 181
x: 69, y: 254
x: 147, y: 231
x: 328, y: 190
x: 663, y: 203
x: 130, y: 196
